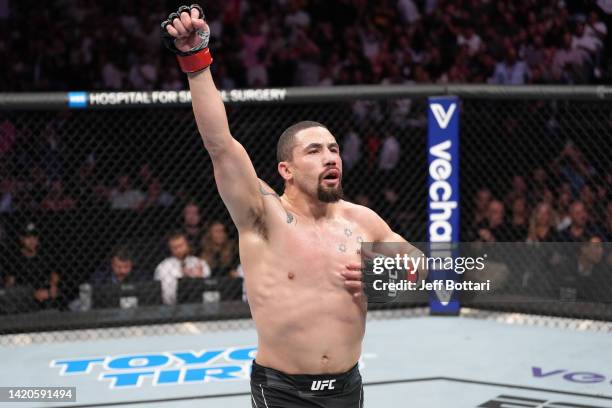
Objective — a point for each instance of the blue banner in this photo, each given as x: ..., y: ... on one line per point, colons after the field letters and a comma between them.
x: 443, y: 195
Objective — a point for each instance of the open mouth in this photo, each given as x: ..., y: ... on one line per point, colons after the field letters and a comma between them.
x: 332, y: 175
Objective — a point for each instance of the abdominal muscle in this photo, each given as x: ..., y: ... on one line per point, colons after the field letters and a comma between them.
x: 306, y: 328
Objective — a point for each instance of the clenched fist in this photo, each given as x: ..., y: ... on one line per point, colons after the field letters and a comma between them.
x: 186, y: 34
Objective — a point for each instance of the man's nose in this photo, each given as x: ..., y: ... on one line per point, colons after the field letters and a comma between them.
x: 331, y: 159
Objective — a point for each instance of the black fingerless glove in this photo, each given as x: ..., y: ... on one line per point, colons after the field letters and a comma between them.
x: 197, y: 58
x: 386, y: 286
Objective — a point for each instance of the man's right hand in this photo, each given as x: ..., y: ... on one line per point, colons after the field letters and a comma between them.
x: 184, y: 25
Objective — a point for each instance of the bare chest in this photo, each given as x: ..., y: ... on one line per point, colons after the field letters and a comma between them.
x: 313, y: 250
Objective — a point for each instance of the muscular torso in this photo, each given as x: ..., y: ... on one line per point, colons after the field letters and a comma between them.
x: 307, y: 322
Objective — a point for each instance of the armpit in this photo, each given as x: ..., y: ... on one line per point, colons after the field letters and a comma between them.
x: 259, y: 222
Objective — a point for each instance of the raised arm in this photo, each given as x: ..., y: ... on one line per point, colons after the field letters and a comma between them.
x: 186, y: 33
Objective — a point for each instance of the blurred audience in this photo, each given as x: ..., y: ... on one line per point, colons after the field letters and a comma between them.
x: 587, y: 277
x: 305, y: 43
x: 119, y: 270
x: 192, y: 225
x: 155, y: 196
x: 219, y: 251
x: 542, y: 225
x: 494, y: 228
x: 519, y: 220
x: 579, y: 227
x: 28, y: 265
x: 179, y: 264
x: 57, y: 199
x: 124, y: 196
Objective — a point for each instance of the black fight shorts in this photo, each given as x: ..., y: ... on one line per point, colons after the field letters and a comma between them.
x: 273, y: 389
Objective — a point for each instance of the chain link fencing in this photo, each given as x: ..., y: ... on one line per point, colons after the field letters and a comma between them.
x: 95, y: 202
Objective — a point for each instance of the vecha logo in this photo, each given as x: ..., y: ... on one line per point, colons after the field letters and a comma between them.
x: 443, y: 117
x: 440, y: 193
x: 443, y: 195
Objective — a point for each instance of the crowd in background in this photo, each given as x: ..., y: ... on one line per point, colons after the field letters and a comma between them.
x: 101, y: 45
x: 114, y: 46
x: 195, y: 248
x: 566, y: 200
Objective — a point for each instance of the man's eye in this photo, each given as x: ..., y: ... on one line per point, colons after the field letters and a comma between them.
x: 312, y: 152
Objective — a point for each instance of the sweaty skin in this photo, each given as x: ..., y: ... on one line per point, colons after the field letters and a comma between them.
x: 299, y: 254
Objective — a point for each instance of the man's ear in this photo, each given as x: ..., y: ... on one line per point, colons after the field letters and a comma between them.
x: 284, y: 169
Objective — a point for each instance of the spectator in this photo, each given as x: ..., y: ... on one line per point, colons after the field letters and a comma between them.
x: 579, y: 228
x: 494, y: 227
x: 219, y: 251
x: 563, y: 205
x: 297, y: 18
x: 143, y: 74
x: 519, y: 222
x: 542, y: 225
x: 56, y: 199
x: 481, y: 204
x: 7, y: 195
x: 351, y: 150
x: 433, y: 27
x: 306, y: 54
x: 85, y: 185
x: 191, y: 224
x: 112, y: 76
x: 469, y: 37
x: 254, y: 42
x: 567, y: 63
x: 408, y: 11
x: 389, y: 157
x: 33, y: 190
x: 519, y: 190
x: 535, y: 52
x: 588, y: 277
x: 156, y: 196
x: 124, y: 196
x: 8, y: 136
x: 539, y: 184
x: 172, y: 80
x: 588, y: 45
x: 180, y: 264
x: 510, y: 71
x: 145, y: 175
x: 119, y: 270
x: 29, y: 266
x: 573, y: 167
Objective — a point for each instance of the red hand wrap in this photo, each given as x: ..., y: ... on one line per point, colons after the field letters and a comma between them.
x: 195, y: 62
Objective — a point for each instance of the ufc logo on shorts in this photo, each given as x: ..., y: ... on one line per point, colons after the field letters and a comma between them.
x: 321, y: 385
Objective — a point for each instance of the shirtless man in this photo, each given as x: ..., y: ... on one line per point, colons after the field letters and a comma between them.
x: 299, y: 251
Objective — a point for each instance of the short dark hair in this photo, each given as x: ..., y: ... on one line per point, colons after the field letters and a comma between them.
x: 123, y: 253
x: 286, y: 141
x: 175, y: 234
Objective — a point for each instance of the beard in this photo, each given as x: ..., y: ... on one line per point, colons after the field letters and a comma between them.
x: 330, y: 194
